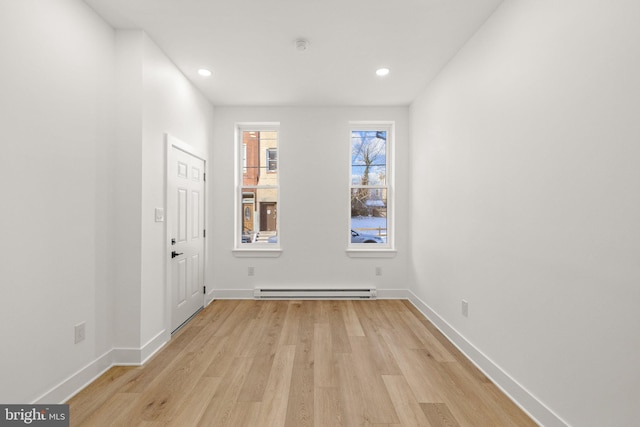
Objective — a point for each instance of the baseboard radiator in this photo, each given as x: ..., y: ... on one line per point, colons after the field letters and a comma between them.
x: 320, y: 293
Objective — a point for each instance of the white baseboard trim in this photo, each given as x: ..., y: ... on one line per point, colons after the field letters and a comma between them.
x: 138, y: 356
x: 392, y: 294
x: 76, y: 382
x: 132, y: 356
x: 114, y: 357
x: 232, y: 294
x: 540, y: 413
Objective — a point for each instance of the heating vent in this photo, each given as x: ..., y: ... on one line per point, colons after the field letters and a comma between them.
x: 275, y: 293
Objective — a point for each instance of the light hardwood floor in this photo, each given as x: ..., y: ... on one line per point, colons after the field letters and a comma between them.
x: 300, y: 363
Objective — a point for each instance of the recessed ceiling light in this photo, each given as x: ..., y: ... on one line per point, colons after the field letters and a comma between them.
x: 382, y: 71
x: 204, y: 72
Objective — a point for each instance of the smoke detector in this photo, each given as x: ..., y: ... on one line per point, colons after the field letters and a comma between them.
x: 302, y: 45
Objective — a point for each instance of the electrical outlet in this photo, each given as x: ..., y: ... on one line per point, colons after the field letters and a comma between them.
x: 378, y: 271
x: 251, y: 271
x: 465, y: 308
x: 79, y: 330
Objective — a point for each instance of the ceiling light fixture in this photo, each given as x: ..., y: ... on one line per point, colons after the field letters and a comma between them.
x: 302, y: 45
x: 204, y: 72
x: 382, y: 71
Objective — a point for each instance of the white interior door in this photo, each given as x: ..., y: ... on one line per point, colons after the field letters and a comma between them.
x: 185, y: 203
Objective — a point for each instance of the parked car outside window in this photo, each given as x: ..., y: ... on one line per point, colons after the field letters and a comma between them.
x: 364, y: 238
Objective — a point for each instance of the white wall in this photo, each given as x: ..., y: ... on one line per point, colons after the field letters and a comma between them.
x: 314, y: 203
x: 526, y: 203
x: 127, y: 188
x: 154, y: 98
x: 56, y: 118
x: 84, y: 110
x: 171, y: 104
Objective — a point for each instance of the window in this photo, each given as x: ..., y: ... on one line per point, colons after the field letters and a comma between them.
x: 370, y: 186
x: 272, y: 159
x: 258, y: 187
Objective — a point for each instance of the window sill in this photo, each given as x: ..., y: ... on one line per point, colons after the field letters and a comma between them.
x: 371, y: 253
x: 257, y: 253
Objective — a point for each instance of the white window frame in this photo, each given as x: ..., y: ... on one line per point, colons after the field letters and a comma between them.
x: 244, y: 157
x: 375, y: 250
x: 268, y: 159
x: 256, y: 249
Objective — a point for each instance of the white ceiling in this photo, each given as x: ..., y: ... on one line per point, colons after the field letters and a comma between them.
x: 249, y: 45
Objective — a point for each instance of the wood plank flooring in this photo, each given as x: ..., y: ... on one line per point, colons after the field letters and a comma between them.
x: 296, y: 364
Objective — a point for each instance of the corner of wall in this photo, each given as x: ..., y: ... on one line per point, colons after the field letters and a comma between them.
x: 515, y: 391
x: 76, y: 382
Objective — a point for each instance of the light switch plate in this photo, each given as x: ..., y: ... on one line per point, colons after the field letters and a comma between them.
x: 159, y: 214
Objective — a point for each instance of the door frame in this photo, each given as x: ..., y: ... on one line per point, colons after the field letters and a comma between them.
x: 172, y: 142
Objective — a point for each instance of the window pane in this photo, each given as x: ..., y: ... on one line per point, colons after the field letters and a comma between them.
x: 368, y: 215
x: 259, y: 213
x: 272, y: 160
x: 368, y: 157
x: 259, y: 158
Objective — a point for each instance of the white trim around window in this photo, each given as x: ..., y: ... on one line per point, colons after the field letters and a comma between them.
x: 371, y: 189
x: 257, y: 191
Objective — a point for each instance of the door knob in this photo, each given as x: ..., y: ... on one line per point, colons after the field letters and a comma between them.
x: 175, y: 254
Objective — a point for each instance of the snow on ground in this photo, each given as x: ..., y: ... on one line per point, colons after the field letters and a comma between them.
x: 370, y: 225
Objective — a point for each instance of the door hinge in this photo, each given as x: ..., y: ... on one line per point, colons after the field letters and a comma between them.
x: 204, y: 290
x: 204, y: 177
x: 204, y: 233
